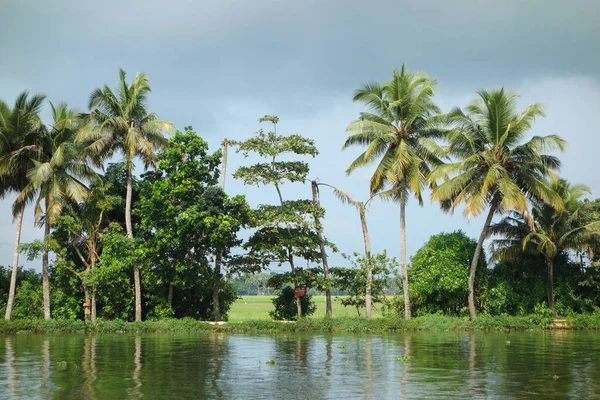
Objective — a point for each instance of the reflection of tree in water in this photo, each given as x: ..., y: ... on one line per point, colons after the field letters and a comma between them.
x: 407, y: 354
x: 217, y: 341
x: 300, y: 372
x: 88, y: 366
x: 45, y: 368
x: 10, y: 366
x: 135, y: 392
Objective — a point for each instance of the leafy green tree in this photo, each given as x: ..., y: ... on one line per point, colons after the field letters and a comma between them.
x: 186, y: 218
x: 399, y: 134
x: 439, y: 273
x: 286, y: 230
x: 21, y: 130
x: 57, y: 177
x: 554, y: 231
x: 495, y: 170
x: 113, y: 275
x: 353, y: 280
x: 77, y: 238
x: 121, y: 122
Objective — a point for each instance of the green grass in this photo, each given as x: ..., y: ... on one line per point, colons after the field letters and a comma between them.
x: 309, y: 325
x: 255, y: 308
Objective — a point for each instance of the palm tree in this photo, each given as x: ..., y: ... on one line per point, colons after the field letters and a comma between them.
x: 553, y: 232
x: 56, y: 177
x: 21, y: 129
x: 120, y: 122
x: 495, y: 169
x: 398, y: 132
x: 361, y: 207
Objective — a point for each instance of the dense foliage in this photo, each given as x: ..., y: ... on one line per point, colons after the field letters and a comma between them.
x: 439, y: 274
x: 172, y: 243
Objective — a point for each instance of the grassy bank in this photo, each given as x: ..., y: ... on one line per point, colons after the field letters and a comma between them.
x: 252, y: 308
x: 313, y: 325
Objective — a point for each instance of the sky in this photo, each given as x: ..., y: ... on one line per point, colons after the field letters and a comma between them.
x: 219, y: 66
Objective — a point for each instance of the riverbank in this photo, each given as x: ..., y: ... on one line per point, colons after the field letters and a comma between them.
x: 309, y: 325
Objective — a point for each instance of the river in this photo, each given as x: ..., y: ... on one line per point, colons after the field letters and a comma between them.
x: 549, y: 364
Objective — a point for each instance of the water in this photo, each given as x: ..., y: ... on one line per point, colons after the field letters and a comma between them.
x: 428, y: 365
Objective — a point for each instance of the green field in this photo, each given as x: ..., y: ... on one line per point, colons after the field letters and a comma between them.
x: 251, y: 308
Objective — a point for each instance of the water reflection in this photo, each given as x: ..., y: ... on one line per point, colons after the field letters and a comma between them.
x: 10, y: 366
x: 135, y: 392
x: 422, y: 365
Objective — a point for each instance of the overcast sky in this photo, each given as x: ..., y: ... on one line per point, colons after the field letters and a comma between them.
x: 220, y: 65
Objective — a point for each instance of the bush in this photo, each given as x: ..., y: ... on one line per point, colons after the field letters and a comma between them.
x: 285, y: 306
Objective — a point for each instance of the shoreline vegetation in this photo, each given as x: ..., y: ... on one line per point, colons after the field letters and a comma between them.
x: 433, y: 323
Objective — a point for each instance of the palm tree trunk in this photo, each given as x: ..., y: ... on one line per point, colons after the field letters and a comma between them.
x: 224, y: 165
x: 403, y: 263
x: 316, y: 202
x: 13, y: 276
x: 93, y: 291
x: 128, y: 226
x: 45, y: 280
x: 216, y: 284
x: 550, y: 289
x: 368, y: 294
x: 475, y: 261
x: 218, y: 257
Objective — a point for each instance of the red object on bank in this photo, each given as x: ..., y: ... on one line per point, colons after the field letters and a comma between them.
x: 300, y: 291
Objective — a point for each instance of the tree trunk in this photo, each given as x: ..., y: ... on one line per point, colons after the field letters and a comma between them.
x: 224, y: 165
x: 93, y: 294
x: 136, y: 272
x: 86, y: 295
x: 93, y: 305
x: 216, y: 285
x: 365, y: 231
x: 316, y: 202
x: 45, y: 280
x: 298, y: 300
x: 170, y: 295
x: 550, y: 289
x: 475, y: 261
x: 15, y: 266
x: 403, y: 263
x: 218, y: 256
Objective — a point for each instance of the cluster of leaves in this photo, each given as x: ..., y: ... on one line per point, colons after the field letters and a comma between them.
x: 439, y: 274
x: 353, y: 279
x: 285, y: 305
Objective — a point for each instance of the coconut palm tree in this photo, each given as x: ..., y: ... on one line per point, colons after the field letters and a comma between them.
x: 57, y: 177
x: 361, y: 207
x: 553, y: 231
x: 121, y: 122
x: 398, y: 132
x: 494, y: 168
x: 21, y: 129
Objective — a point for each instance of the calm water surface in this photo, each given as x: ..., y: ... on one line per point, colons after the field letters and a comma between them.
x: 233, y: 366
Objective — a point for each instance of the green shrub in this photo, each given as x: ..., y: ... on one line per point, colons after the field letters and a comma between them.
x: 285, y: 306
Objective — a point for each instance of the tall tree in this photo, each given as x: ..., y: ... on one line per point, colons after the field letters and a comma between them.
x: 186, y: 218
x: 319, y: 227
x: 120, y: 122
x: 77, y: 238
x: 399, y: 134
x: 495, y: 170
x: 284, y: 231
x: 57, y: 178
x: 21, y: 130
x: 361, y: 207
x: 553, y: 231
